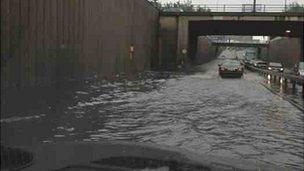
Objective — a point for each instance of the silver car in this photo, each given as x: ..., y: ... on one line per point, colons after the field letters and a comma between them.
x: 274, y: 66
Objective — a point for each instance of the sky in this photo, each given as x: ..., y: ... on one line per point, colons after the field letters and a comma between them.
x: 238, y: 1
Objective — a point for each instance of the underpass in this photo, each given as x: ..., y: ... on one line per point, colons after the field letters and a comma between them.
x: 104, y: 91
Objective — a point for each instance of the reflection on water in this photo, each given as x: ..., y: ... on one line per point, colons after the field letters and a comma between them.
x: 268, y: 79
x: 281, y: 89
x: 227, y: 117
x: 281, y: 86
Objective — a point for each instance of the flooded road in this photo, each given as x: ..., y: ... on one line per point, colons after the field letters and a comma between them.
x: 201, y: 112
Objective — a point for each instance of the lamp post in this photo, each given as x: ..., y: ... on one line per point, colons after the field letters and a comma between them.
x: 254, y: 4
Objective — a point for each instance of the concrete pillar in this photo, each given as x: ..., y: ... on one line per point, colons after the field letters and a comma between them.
x: 168, y: 41
x: 192, y: 46
x: 183, y: 35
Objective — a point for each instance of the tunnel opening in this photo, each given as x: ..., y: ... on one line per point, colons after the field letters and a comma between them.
x: 201, y: 34
x: 206, y: 48
x: 285, y: 50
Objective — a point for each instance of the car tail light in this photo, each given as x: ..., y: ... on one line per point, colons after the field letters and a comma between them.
x: 223, y: 68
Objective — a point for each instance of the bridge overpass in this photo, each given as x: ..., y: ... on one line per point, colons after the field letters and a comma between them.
x: 179, y: 30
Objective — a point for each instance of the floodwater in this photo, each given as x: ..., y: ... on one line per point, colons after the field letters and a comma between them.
x: 201, y: 112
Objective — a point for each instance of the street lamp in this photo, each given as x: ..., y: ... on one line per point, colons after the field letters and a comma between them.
x: 254, y: 4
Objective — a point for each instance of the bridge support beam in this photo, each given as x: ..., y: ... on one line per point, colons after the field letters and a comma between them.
x: 192, y: 46
x: 168, y: 39
x: 183, y: 36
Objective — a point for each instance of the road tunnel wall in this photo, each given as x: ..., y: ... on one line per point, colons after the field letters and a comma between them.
x: 284, y: 50
x: 205, y: 50
x: 49, y: 41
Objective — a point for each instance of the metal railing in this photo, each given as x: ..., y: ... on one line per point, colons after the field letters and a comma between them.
x: 239, y: 8
x: 294, y: 79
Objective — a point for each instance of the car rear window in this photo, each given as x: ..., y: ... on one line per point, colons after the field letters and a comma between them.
x: 232, y: 63
x: 275, y: 64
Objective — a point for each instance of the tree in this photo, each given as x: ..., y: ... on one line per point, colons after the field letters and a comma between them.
x: 156, y: 3
x: 186, y: 6
x: 203, y: 9
x: 178, y: 7
x: 295, y: 7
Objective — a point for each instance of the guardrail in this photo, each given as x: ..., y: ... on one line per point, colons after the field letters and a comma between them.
x: 293, y: 79
x: 263, y: 8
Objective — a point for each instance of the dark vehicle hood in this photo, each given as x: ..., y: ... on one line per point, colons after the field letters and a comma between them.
x: 109, y: 155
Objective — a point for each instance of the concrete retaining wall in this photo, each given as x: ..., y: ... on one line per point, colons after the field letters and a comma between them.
x: 46, y: 41
x: 282, y: 49
x: 205, y: 50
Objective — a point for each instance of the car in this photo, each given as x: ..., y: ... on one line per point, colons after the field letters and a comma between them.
x: 260, y: 64
x: 299, y: 69
x: 231, y: 68
x: 251, y: 62
x: 119, y: 155
x: 275, y: 66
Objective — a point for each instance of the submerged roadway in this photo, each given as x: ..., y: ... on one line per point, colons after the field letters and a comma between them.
x: 201, y: 112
